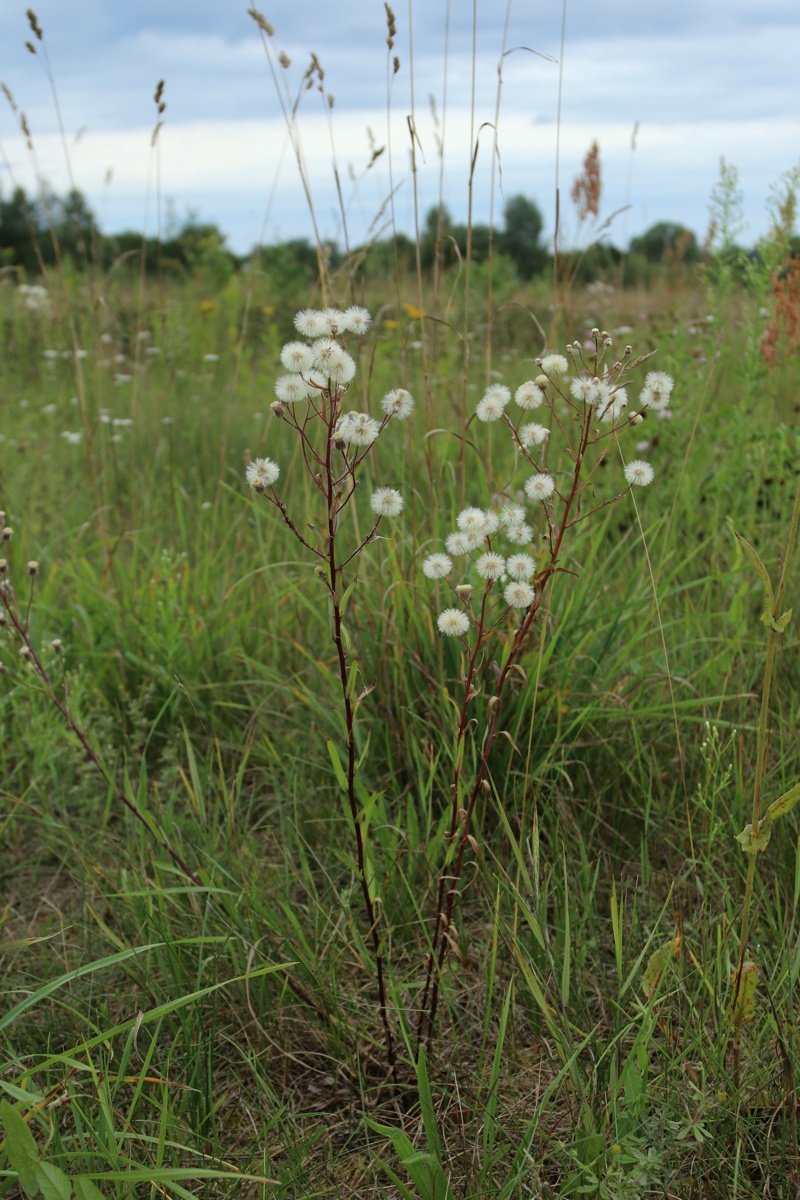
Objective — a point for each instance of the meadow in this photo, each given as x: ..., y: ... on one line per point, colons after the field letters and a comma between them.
x: 228, y: 829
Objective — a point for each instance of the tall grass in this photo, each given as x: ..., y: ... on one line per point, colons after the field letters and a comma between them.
x: 214, y: 1030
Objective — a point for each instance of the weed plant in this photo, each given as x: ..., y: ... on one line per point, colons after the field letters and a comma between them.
x: 432, y: 892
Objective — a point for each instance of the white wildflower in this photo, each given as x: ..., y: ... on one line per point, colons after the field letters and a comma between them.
x: 529, y: 395
x: 540, y: 486
x: 554, y: 365
x: 459, y: 543
x: 520, y: 535
x: 341, y: 367
x: 335, y: 321
x: 492, y: 406
x: 512, y: 514
x: 490, y: 566
x: 262, y: 473
x: 583, y: 389
x: 639, y: 473
x: 291, y: 388
x: 436, y: 566
x: 519, y: 594
x: 386, y: 502
x: 356, y: 319
x: 521, y: 566
x: 358, y: 429
x: 310, y: 323
x: 656, y: 391
x: 452, y: 622
x: 533, y: 435
x: 398, y: 403
x: 297, y: 357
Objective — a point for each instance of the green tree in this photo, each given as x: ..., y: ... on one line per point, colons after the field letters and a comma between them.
x: 522, y: 236
x: 666, y: 240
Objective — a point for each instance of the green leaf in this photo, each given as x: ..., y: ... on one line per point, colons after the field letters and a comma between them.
x: 338, y: 769
x: 657, y: 964
x: 85, y: 1189
x: 752, y: 844
x: 53, y: 1183
x: 763, y: 575
x: 20, y: 1148
x: 744, y: 1002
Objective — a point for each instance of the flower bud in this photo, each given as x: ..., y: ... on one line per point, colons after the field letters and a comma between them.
x: 7, y: 534
x: 464, y: 590
x: 3, y: 566
x: 33, y: 567
x: 541, y: 381
x: 276, y: 408
x: 57, y: 645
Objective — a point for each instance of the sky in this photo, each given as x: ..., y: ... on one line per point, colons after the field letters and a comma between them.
x: 699, y: 81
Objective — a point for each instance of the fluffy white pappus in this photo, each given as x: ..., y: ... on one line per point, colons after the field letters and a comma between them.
x: 656, y: 391
x: 529, y: 395
x: 386, y: 502
x: 453, y: 622
x: 639, y: 473
x: 519, y: 535
x: 310, y: 323
x: 334, y: 320
x: 472, y: 521
x: 493, y: 404
x: 613, y: 406
x: 459, y: 543
x: 261, y: 474
x: 398, y: 403
x: 291, y: 388
x: 583, y: 389
x: 554, y: 365
x: 519, y: 594
x: 297, y: 356
x: 341, y: 367
x: 490, y: 566
x: 520, y: 566
x: 511, y: 514
x: 533, y: 435
x: 540, y: 486
x: 358, y: 429
x: 357, y: 320
x: 437, y: 566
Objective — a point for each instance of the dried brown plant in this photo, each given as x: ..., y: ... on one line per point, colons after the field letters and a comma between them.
x: 587, y: 188
x: 783, y: 331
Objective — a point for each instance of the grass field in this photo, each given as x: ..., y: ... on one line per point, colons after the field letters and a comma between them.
x: 192, y: 1005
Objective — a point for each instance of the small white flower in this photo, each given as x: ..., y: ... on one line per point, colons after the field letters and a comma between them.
x: 492, y: 406
x: 212, y: 358
x: 341, y: 367
x: 540, y: 486
x: 519, y: 594
x: 398, y: 403
x: 656, y: 391
x: 386, y: 502
x: 554, y: 365
x: 310, y: 323
x: 297, y: 356
x: 436, y: 566
x: 335, y: 321
x: 262, y: 473
x: 458, y: 544
x: 521, y: 566
x: 512, y: 514
x: 490, y: 566
x: 583, y: 389
x: 356, y: 319
x: 520, y: 535
x: 358, y: 428
x: 452, y: 622
x: 639, y: 473
x: 72, y: 439
x: 529, y: 395
x: 472, y: 521
x: 533, y: 435
x: 291, y: 388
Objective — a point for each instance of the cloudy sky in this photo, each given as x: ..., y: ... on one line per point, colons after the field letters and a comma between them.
x: 704, y: 80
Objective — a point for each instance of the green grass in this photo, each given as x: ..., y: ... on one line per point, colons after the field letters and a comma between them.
x: 154, y: 1038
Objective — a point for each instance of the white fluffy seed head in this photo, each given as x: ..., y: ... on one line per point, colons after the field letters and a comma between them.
x: 437, y: 566
x: 540, y: 486
x: 262, y: 473
x: 554, y: 365
x: 639, y: 473
x: 490, y: 566
x: 453, y: 622
x: 533, y: 435
x: 519, y: 594
x: 520, y: 566
x: 310, y: 323
x: 297, y: 357
x: 519, y: 535
x: 492, y: 406
x: 357, y: 428
x: 386, y: 502
x: 529, y: 395
x: 459, y: 543
x: 512, y: 514
x: 398, y: 403
x: 291, y: 388
x: 357, y: 320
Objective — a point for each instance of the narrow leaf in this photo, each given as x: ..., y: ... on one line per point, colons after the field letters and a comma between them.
x: 657, y: 963
x: 744, y: 1004
x: 20, y: 1148
x: 763, y: 575
x: 338, y: 769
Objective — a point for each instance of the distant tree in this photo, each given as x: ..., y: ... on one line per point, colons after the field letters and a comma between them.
x: 666, y: 241
x: 521, y: 238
